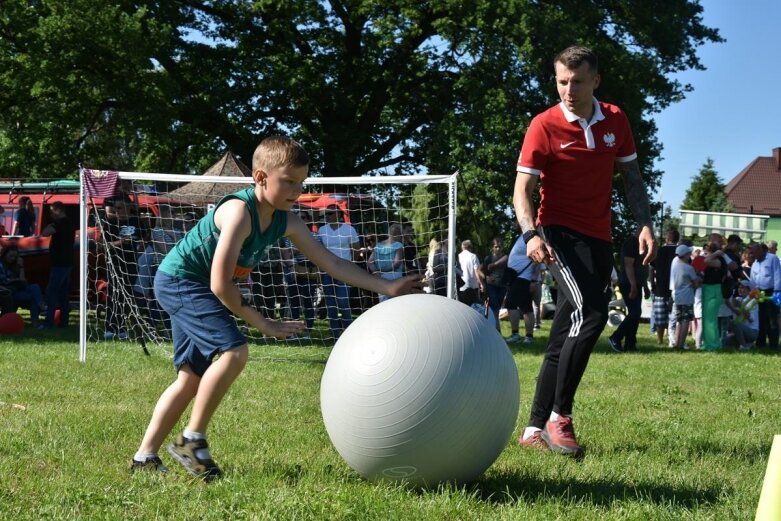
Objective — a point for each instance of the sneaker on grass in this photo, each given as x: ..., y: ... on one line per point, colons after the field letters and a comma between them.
x: 534, y: 441
x: 528, y: 339
x: 154, y: 463
x: 194, y: 457
x: 560, y: 437
x: 615, y: 345
x: 513, y: 339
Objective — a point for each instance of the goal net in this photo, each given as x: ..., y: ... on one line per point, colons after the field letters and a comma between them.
x: 131, y: 220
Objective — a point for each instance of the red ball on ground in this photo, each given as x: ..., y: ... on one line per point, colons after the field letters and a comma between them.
x: 11, y: 324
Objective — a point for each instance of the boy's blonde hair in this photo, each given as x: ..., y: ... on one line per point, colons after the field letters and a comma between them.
x: 278, y: 152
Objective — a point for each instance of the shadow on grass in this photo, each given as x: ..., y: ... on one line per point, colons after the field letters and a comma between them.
x: 511, y: 488
x: 34, y: 337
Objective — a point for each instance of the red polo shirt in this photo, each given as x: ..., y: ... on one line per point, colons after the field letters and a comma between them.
x: 575, y: 160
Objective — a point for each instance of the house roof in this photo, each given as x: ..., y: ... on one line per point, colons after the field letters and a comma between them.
x: 757, y: 188
x: 201, y: 193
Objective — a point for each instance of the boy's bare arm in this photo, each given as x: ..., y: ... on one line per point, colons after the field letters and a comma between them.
x: 233, y: 220
x: 345, y: 270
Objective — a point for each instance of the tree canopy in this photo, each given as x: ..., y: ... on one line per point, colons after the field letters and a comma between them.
x: 368, y: 86
x: 706, y: 193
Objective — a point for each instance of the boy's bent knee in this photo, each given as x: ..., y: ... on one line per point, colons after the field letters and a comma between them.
x: 237, y: 356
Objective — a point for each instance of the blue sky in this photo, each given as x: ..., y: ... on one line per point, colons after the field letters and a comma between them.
x: 734, y: 113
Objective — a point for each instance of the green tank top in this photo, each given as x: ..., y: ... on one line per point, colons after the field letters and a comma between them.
x: 192, y: 257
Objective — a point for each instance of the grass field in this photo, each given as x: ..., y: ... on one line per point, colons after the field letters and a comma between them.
x: 669, y: 436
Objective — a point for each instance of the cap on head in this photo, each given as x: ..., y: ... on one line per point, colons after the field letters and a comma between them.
x: 682, y: 250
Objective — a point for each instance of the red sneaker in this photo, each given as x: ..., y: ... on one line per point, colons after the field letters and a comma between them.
x: 534, y: 441
x: 560, y: 437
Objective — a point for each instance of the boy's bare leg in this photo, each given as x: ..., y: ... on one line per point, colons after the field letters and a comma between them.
x: 214, y: 384
x: 169, y: 409
x: 660, y: 333
x: 682, y: 330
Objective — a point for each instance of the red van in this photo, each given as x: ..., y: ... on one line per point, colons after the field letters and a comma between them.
x: 362, y: 211
x: 34, y: 250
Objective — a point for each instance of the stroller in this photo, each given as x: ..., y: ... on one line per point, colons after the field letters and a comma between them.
x: 616, y: 309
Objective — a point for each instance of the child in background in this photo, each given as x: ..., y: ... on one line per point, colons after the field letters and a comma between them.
x: 746, y: 322
x: 195, y: 285
x: 685, y: 281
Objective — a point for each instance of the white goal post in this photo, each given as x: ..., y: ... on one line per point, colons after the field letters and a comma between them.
x: 123, y: 238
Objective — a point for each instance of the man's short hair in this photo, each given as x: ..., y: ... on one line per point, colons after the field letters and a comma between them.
x: 278, y: 152
x: 57, y: 205
x: 574, y: 56
x: 466, y: 245
x: 673, y: 236
x: 734, y: 238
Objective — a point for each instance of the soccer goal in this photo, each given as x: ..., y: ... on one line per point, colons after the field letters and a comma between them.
x: 130, y: 220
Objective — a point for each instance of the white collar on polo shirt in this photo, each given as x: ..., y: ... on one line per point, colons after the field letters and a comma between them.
x: 586, y: 125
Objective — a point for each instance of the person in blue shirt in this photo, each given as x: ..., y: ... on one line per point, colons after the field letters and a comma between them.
x: 766, y: 277
x: 24, y: 218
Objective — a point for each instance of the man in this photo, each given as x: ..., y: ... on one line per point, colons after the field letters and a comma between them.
x: 342, y: 240
x: 411, y: 262
x: 573, y: 148
x: 772, y: 246
x: 519, y: 294
x: 123, y: 238
x: 684, y: 281
x: 766, y: 276
x: 632, y: 279
x: 62, y: 233
x: 661, y: 287
x: 472, y: 275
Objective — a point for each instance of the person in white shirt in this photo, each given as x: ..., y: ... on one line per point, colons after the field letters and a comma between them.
x: 471, y: 274
x: 684, y: 281
x: 341, y: 239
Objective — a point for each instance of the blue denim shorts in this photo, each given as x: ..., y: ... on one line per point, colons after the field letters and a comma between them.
x: 201, y: 325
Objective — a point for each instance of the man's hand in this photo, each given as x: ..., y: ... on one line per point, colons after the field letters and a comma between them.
x: 647, y: 245
x: 539, y: 251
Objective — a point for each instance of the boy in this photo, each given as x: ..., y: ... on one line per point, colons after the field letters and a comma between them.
x: 684, y: 280
x: 746, y: 321
x: 194, y: 284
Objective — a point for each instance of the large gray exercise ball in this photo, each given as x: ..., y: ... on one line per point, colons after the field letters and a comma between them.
x: 420, y: 389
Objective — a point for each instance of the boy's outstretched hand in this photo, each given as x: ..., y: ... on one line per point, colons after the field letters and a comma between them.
x: 282, y: 329
x: 408, y: 284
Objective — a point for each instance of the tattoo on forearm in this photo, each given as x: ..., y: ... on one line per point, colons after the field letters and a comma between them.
x: 526, y: 223
x: 636, y: 195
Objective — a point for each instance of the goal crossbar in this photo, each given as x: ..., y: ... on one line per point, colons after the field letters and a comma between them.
x: 164, y: 179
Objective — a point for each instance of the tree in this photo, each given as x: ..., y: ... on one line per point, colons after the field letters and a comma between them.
x: 706, y: 193
x: 369, y: 86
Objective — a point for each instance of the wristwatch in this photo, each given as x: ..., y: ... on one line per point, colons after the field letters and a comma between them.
x: 527, y: 235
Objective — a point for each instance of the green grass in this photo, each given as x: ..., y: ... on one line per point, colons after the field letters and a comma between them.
x: 669, y: 436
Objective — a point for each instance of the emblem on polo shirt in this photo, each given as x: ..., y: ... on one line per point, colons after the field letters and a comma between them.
x: 610, y: 139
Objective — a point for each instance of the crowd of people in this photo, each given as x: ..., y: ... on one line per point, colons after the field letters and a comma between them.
x: 721, y: 294
x: 17, y: 292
